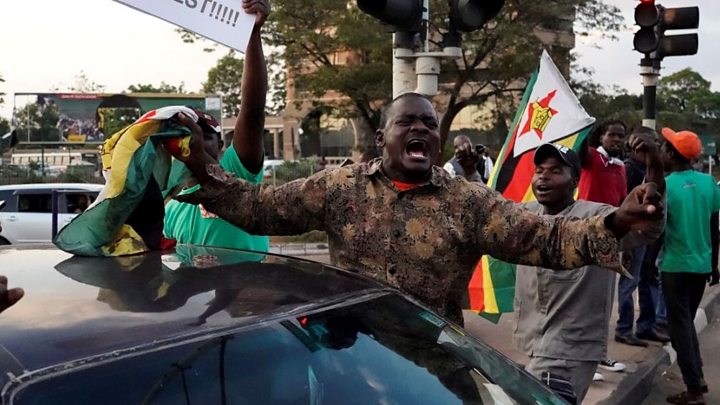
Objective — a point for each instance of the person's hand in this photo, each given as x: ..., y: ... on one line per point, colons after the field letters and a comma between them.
x: 198, y: 159
x: 714, y: 277
x: 261, y: 9
x: 9, y: 297
x: 639, y: 210
x: 467, y: 157
x: 627, y: 258
x: 644, y: 146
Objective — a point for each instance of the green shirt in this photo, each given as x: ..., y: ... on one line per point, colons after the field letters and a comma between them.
x: 192, y: 224
x: 692, y: 197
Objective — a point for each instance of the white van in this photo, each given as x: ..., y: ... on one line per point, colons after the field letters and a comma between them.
x: 27, y: 214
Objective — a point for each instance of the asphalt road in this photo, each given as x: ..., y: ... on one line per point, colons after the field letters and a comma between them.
x: 669, y: 381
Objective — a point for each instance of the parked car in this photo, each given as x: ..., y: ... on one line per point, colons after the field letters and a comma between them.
x: 269, y: 166
x: 200, y: 325
x: 27, y: 215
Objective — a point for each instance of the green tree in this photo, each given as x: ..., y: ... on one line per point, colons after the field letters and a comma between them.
x: 4, y: 126
x: 606, y: 103
x: 83, y: 84
x: 224, y: 79
x: 685, y: 100
x: 2, y: 94
x: 496, y: 60
x: 115, y: 119
x: 40, y: 121
x: 347, y: 54
x: 162, y: 88
x: 340, y: 50
x: 499, y: 58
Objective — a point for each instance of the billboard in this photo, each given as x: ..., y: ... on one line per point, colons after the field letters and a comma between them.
x: 91, y: 117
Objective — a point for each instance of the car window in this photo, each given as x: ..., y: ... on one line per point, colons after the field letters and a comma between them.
x: 76, y: 203
x: 38, y: 203
x: 383, y: 350
x: 10, y: 200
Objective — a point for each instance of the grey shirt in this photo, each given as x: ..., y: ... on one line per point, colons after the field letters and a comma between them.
x: 565, y: 314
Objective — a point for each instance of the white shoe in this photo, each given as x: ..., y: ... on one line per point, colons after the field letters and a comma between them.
x: 598, y: 377
x: 612, y: 365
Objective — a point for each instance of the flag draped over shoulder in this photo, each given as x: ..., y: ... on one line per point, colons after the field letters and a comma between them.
x: 548, y: 113
x: 131, y: 159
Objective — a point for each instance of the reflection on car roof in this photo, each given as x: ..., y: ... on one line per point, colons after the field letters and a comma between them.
x: 76, y: 307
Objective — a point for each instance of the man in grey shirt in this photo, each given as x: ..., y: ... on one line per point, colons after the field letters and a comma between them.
x: 562, y: 317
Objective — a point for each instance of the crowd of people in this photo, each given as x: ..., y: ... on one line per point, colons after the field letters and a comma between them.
x: 411, y: 224
x: 669, y: 264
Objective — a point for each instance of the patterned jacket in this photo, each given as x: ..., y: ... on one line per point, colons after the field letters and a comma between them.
x: 426, y: 240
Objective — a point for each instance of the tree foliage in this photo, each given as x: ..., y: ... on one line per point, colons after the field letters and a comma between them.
x: 341, y: 51
x: 225, y: 79
x: 495, y: 63
x: 40, y: 121
x: 498, y: 59
x: 83, y: 84
x: 684, y: 101
x: 347, y: 55
x: 2, y: 94
x: 162, y: 88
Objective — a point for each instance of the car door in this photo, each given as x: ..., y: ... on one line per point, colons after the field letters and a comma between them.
x: 31, y: 221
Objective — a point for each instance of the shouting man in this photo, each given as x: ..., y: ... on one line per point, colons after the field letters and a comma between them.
x: 406, y: 222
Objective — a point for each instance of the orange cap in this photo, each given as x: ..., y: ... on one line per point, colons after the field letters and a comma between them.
x: 687, y: 143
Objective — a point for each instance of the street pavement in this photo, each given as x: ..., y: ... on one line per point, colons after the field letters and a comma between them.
x: 669, y: 380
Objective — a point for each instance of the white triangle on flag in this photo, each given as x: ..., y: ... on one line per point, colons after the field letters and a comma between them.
x: 552, y: 112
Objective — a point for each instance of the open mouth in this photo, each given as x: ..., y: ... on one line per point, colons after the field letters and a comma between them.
x: 543, y: 188
x: 418, y: 149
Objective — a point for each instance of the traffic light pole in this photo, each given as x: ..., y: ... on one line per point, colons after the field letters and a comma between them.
x: 415, y: 68
x: 403, y: 69
x: 650, y: 72
x: 418, y: 71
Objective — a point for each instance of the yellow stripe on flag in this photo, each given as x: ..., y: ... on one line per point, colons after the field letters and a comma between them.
x: 489, y: 299
x: 123, y: 151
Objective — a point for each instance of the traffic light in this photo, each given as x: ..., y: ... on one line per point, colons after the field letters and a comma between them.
x: 655, y: 19
x: 403, y: 17
x: 471, y: 15
x: 468, y: 16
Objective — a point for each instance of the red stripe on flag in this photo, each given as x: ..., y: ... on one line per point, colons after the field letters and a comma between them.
x: 476, y: 291
x: 522, y: 177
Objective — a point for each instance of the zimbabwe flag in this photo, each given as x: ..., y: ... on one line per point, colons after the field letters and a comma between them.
x: 134, y: 160
x: 548, y: 113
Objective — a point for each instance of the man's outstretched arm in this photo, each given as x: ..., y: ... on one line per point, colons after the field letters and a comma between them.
x: 510, y: 233
x: 293, y: 208
x: 250, y: 123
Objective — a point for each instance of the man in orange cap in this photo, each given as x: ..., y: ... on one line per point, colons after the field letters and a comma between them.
x: 690, y: 253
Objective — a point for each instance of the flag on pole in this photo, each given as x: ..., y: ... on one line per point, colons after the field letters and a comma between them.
x: 134, y: 159
x: 548, y: 113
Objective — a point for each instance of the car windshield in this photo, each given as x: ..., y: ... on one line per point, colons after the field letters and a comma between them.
x: 378, y: 349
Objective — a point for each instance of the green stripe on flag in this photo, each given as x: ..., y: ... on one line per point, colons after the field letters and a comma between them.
x: 95, y: 228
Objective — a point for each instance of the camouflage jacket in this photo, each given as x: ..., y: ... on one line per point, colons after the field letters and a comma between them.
x: 426, y: 240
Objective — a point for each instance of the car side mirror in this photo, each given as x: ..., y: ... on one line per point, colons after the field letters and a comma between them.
x: 2, y: 204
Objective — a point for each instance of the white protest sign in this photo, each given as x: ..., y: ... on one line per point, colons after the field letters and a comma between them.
x: 222, y: 21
